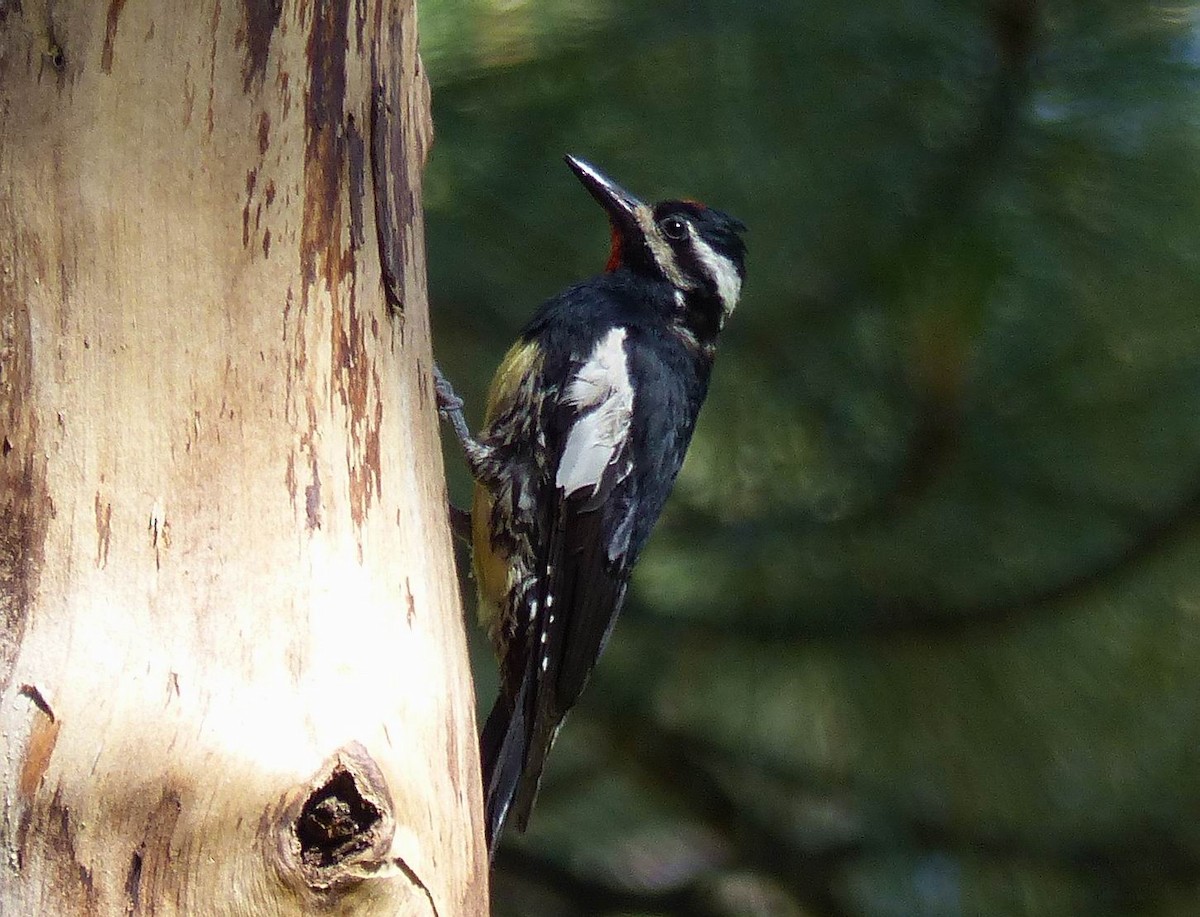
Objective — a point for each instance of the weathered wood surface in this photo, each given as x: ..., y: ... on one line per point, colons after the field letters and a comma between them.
x: 226, y: 579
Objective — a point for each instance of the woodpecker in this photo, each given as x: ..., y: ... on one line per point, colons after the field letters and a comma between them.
x: 588, y: 419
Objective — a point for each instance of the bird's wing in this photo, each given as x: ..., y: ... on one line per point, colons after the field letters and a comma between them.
x: 587, y: 573
x: 594, y: 502
x: 583, y: 562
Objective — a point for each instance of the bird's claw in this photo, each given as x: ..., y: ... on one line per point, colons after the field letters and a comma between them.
x: 447, y: 399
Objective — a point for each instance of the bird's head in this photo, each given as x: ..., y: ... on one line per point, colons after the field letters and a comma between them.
x: 697, y: 249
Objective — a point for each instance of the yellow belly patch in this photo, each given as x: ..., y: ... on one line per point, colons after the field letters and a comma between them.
x: 493, y: 571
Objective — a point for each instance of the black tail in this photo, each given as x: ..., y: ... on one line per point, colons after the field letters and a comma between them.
x: 502, y: 749
x: 537, y: 749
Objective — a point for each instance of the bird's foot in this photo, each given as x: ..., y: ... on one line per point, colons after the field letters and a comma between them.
x: 447, y: 398
x: 450, y: 407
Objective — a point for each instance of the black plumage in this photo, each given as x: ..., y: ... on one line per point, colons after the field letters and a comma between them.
x: 589, y: 418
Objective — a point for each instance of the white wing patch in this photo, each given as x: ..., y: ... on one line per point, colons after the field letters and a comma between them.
x: 722, y: 271
x: 604, y: 396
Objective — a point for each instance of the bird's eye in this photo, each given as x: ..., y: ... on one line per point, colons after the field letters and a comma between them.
x: 673, y: 228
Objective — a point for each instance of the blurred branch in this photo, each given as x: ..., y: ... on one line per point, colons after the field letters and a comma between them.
x: 963, y: 175
x: 680, y: 770
x: 588, y: 897
x: 684, y: 769
x: 961, y: 169
x: 955, y: 180
x: 891, y: 619
x: 684, y: 766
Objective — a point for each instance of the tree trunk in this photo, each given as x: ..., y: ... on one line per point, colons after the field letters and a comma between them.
x: 233, y: 677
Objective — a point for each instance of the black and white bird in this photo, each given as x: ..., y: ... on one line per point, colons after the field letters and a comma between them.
x: 588, y: 420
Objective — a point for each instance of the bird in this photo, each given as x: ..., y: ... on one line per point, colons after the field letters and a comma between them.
x: 587, y: 423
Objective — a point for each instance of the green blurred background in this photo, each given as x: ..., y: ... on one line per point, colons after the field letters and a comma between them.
x: 918, y: 633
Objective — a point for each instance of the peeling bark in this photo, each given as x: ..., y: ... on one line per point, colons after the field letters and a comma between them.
x: 233, y: 677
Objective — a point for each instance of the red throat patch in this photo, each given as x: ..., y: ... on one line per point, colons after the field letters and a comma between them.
x: 614, y: 256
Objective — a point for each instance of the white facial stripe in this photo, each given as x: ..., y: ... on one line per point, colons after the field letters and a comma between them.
x: 664, y: 257
x: 602, y: 391
x: 721, y: 270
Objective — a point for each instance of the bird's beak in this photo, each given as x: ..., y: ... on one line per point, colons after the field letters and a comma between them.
x: 621, y: 205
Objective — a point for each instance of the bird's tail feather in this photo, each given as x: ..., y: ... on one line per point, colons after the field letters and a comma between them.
x: 537, y: 750
x: 503, y: 746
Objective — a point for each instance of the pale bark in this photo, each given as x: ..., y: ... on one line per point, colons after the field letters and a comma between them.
x: 226, y: 578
